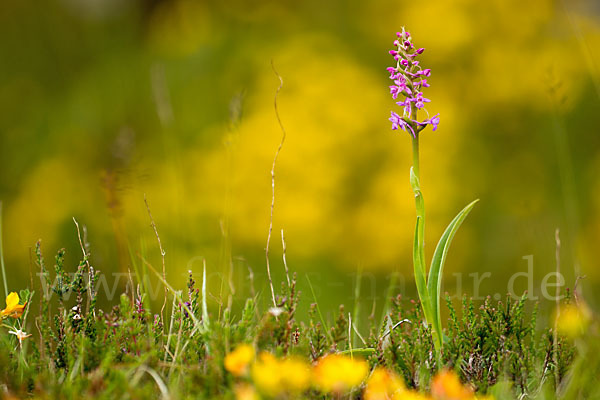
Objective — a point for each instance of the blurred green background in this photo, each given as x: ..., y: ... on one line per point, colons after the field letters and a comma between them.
x: 103, y: 101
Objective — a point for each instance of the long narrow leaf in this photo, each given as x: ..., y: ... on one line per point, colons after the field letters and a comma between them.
x: 361, y: 352
x: 419, y: 267
x: 420, y: 206
x: 434, y: 283
x: 205, y: 318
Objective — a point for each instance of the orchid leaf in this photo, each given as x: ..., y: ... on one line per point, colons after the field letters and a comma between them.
x: 420, y: 279
x: 434, y: 283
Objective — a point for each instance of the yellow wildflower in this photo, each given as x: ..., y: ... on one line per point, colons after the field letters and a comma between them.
x: 274, y: 377
x: 20, y: 335
x: 265, y: 374
x: 410, y: 395
x: 238, y: 360
x: 245, y: 392
x: 383, y: 384
x: 295, y: 374
x: 337, y: 373
x: 13, y: 308
x: 447, y: 386
x: 572, y: 320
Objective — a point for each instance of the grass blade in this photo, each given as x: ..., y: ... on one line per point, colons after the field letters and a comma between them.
x: 2, y: 256
x: 360, y: 352
x: 205, y: 318
x: 325, y: 327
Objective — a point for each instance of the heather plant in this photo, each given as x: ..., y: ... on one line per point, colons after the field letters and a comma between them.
x: 409, y: 82
x: 493, y: 348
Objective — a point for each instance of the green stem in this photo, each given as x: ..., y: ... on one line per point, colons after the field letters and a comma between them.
x: 419, y: 248
x: 419, y: 202
x: 2, y: 256
x: 415, y: 148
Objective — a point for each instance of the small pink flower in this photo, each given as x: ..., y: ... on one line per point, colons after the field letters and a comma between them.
x: 420, y: 100
x: 409, y: 79
x: 399, y: 122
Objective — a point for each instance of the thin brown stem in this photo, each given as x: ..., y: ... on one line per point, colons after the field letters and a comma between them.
x: 90, y: 268
x: 162, y: 254
x: 273, y: 184
x: 287, y: 271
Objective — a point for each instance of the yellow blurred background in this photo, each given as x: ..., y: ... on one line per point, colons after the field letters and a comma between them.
x: 103, y: 101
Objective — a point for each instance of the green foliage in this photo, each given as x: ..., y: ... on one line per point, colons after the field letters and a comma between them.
x: 84, y: 352
x: 500, y: 343
x: 429, y: 288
